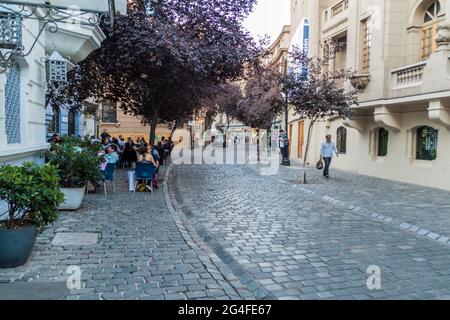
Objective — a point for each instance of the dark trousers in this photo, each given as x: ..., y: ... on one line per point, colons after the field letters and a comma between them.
x: 327, y: 161
x: 285, y: 152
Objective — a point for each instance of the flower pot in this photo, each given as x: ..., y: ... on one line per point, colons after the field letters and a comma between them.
x: 16, y: 246
x: 73, y: 197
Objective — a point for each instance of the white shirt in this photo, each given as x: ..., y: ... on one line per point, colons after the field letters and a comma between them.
x: 327, y: 148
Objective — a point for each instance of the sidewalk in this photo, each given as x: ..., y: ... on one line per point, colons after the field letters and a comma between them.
x: 422, y: 210
x: 130, y: 246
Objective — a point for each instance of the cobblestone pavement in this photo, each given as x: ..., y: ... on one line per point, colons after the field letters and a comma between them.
x: 144, y: 252
x: 424, y: 208
x: 293, y: 243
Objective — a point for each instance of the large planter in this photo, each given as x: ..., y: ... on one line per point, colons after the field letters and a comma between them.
x: 73, y: 197
x: 16, y: 246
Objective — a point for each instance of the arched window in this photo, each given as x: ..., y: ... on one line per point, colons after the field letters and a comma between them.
x: 341, y: 140
x: 72, y: 130
x: 429, y: 29
x: 383, y: 136
x: 426, y: 144
x: 54, y: 124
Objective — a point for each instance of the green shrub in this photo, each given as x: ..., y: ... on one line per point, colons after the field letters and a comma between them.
x: 32, y: 194
x: 76, y: 160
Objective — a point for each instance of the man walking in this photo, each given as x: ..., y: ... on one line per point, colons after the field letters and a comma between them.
x: 327, y: 150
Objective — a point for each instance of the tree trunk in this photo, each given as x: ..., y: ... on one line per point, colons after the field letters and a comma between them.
x: 311, y: 125
x: 153, y: 125
x: 226, y: 133
x: 258, y: 145
x: 175, y: 126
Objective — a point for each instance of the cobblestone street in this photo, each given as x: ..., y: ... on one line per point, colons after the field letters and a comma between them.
x: 296, y: 244
x: 227, y: 232
x: 143, y: 252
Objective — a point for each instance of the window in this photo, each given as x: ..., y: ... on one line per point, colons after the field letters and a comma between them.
x: 109, y: 112
x: 12, y: 105
x: 341, y: 140
x: 383, y: 136
x: 429, y: 30
x: 426, y: 148
x: 366, y: 43
x: 53, y: 124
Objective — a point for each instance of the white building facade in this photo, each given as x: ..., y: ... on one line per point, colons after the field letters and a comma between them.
x: 23, y: 121
x: 400, y: 50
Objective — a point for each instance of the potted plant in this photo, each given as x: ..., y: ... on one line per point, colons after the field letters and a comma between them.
x: 32, y: 195
x: 77, y: 163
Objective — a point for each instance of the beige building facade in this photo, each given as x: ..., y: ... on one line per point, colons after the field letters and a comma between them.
x: 113, y: 119
x: 400, y: 50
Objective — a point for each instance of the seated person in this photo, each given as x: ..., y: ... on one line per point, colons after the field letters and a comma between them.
x: 112, y: 156
x: 129, y: 155
x: 56, y: 138
x: 146, y: 156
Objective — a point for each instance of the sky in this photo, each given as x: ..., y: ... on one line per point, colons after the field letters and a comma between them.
x: 268, y: 18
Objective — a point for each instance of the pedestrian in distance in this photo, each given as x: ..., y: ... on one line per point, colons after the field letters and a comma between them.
x: 327, y: 151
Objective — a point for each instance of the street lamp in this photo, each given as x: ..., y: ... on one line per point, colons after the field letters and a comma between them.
x: 50, y: 13
x: 57, y: 68
x: 286, y: 161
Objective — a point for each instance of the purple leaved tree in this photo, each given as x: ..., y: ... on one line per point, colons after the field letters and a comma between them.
x: 315, y: 92
x: 158, y: 59
x: 262, y: 101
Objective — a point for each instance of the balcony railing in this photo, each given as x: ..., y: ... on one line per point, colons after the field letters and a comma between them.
x: 335, y: 17
x: 339, y: 8
x: 408, y: 76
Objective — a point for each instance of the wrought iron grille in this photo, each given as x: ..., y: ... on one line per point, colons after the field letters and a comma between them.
x: 12, y: 105
x: 57, y: 71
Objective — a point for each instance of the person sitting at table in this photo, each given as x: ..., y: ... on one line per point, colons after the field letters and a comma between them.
x: 146, y: 156
x: 105, y: 144
x: 112, y: 157
x: 129, y: 155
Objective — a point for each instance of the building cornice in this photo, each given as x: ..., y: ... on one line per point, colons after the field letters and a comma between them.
x: 12, y: 153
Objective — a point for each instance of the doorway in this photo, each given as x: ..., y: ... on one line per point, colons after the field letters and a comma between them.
x: 301, y: 139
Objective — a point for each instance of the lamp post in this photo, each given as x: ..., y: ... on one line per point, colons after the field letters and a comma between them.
x: 286, y: 161
x: 13, y: 13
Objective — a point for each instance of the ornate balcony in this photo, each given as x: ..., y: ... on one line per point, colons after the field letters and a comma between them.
x: 408, y: 76
x: 335, y: 18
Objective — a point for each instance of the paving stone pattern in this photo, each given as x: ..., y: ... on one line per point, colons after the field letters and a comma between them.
x: 298, y: 246
x: 141, y: 253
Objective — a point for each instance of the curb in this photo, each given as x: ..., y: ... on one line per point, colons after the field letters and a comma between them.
x: 394, y: 222
x: 215, y: 258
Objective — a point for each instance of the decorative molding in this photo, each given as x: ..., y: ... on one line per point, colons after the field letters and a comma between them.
x: 439, y: 114
x: 360, y: 81
x: 443, y: 37
x: 357, y: 123
x: 387, y: 119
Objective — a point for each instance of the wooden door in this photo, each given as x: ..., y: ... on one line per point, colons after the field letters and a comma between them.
x: 301, y: 139
x: 290, y: 139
